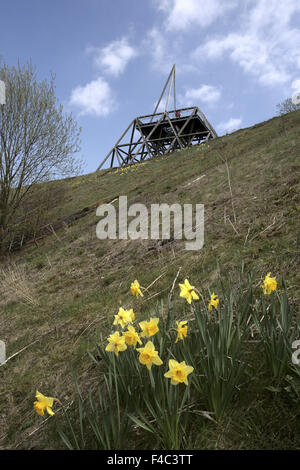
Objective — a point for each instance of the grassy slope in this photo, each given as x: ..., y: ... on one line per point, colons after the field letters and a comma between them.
x: 250, y: 188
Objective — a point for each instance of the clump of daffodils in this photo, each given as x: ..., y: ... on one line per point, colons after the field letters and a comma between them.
x: 123, y: 170
x: 147, y: 354
x: 129, y: 336
x: 146, y: 347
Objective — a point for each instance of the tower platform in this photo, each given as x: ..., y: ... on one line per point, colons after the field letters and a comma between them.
x: 160, y: 133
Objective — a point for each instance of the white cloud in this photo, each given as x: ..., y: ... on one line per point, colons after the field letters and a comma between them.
x: 252, y: 53
x: 114, y: 57
x: 192, y: 97
x: 265, y: 46
x: 182, y: 14
x: 231, y: 125
x: 94, y: 98
x: 159, y: 48
x: 296, y: 85
x: 208, y: 94
x: 165, y: 50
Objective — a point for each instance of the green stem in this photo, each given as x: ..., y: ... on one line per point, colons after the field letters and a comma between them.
x: 117, y: 391
x: 152, y: 379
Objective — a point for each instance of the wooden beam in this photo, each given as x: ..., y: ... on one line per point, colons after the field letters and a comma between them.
x: 165, y: 138
x: 143, y: 137
x: 162, y: 94
x: 174, y: 130
x: 148, y: 137
x: 109, y: 153
x: 185, y: 124
x: 170, y: 87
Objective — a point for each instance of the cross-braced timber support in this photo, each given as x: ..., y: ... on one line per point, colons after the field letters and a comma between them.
x: 160, y: 133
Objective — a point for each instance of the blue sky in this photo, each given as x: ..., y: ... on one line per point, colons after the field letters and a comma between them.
x: 235, y: 59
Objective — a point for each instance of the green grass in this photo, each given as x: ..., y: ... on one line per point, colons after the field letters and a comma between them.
x: 249, y: 186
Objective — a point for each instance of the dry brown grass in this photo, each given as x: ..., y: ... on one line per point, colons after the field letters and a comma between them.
x: 16, y: 286
x: 80, y: 281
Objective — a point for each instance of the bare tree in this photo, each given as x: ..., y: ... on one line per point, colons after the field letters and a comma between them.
x: 37, y: 141
x: 287, y: 106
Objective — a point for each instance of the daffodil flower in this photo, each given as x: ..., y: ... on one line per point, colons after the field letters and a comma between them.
x: 131, y: 336
x: 178, y: 372
x: 181, y: 330
x: 43, y: 403
x: 124, y: 317
x: 269, y: 284
x: 214, y: 302
x: 135, y: 289
x: 187, y: 291
x: 148, y: 356
x: 149, y: 328
x: 116, y: 343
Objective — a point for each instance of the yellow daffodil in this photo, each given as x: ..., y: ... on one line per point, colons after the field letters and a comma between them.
x: 187, y: 291
x: 43, y: 403
x: 149, y: 356
x: 269, y: 284
x: 178, y: 372
x: 214, y: 302
x: 116, y: 343
x: 135, y: 289
x: 181, y: 330
x: 124, y: 317
x: 131, y: 336
x: 149, y: 328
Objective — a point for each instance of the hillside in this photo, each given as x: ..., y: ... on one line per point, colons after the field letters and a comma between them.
x: 59, y: 293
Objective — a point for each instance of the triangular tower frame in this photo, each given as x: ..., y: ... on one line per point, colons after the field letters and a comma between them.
x: 160, y: 133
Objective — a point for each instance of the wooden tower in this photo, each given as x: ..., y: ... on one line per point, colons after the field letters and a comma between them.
x: 160, y: 133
